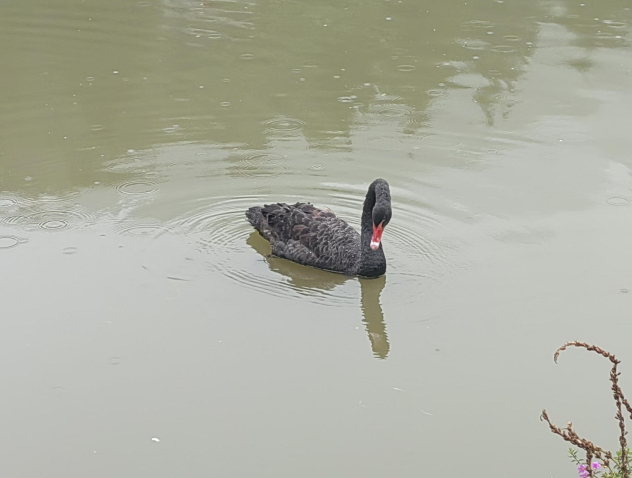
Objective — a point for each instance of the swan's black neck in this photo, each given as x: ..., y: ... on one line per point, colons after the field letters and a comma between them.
x: 373, y: 263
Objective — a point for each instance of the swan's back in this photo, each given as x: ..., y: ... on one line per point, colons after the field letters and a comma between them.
x: 305, y: 234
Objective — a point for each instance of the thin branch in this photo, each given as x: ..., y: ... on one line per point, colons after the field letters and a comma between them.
x: 617, y: 393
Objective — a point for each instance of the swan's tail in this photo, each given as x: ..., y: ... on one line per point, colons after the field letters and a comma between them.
x: 255, y: 217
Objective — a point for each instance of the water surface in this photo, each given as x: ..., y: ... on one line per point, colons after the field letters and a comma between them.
x: 147, y: 332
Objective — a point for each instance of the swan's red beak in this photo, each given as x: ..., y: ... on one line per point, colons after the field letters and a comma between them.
x: 377, y: 236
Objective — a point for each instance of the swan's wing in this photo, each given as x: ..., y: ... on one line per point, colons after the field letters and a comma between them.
x: 308, y: 235
x: 296, y: 221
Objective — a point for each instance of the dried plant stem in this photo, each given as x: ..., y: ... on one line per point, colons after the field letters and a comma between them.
x: 569, y: 435
x: 617, y: 393
x: 589, y: 458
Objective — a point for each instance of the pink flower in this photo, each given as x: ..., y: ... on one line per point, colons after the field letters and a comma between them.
x: 583, y: 471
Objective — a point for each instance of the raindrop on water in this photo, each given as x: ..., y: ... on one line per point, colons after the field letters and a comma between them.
x: 6, y: 242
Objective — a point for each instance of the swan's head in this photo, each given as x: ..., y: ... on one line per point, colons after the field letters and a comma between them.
x: 381, y: 217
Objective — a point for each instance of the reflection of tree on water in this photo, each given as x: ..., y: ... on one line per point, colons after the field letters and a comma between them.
x: 315, y: 282
x: 594, y: 24
x: 273, y: 70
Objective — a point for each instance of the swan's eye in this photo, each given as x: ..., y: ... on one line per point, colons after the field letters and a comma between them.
x: 379, y: 216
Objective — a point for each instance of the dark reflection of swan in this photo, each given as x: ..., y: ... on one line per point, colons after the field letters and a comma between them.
x: 310, y: 281
x: 373, y: 316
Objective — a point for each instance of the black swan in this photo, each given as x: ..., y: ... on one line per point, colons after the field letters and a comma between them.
x: 317, y: 238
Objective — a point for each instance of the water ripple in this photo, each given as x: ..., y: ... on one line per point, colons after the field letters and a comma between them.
x: 141, y: 230
x: 137, y: 187
x: 223, y: 242
x: 418, y: 120
x: 618, y: 201
x: 503, y: 49
x: 6, y: 202
x: 7, y: 242
x: 51, y: 220
x: 477, y: 24
x: 391, y: 110
x: 282, y: 125
x: 474, y: 44
x: 223, y: 236
x: 258, y: 165
x: 409, y: 244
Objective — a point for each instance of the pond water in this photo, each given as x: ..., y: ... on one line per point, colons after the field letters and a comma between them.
x: 147, y: 332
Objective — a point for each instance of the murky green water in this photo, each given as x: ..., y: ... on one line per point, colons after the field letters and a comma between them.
x: 145, y: 332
